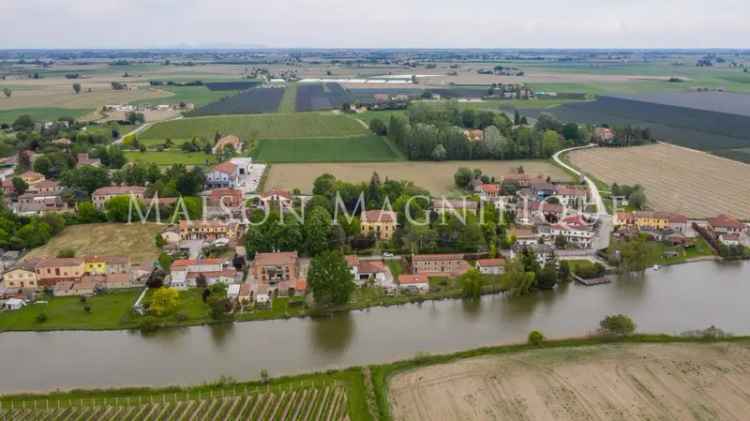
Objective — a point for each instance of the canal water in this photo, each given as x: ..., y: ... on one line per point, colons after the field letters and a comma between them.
x: 671, y: 300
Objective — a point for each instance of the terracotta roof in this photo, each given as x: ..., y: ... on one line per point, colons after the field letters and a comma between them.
x: 119, y: 190
x: 564, y: 190
x: 491, y: 262
x: 58, y: 261
x: 379, y: 216
x: 225, y: 167
x: 490, y: 188
x: 725, y: 221
x: 191, y: 262
x: 408, y: 279
x: 229, y: 273
x: 300, y: 284
x: 281, y: 258
x: 352, y: 260
x: 245, y: 289
x: 436, y: 257
x: 371, y: 266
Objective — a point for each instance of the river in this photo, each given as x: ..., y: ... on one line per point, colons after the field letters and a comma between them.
x: 671, y: 300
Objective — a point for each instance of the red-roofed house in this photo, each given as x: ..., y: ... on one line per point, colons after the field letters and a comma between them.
x: 102, y: 194
x: 186, y: 272
x: 380, y: 223
x: 416, y: 282
x: 222, y: 175
x: 494, y: 266
x: 439, y: 264
x: 725, y: 224
x: 83, y: 159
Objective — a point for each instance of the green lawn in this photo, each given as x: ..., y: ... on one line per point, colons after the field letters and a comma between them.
x: 170, y: 157
x: 259, y: 126
x: 9, y: 116
x: 108, y: 310
x: 369, y: 148
x: 191, y: 307
x: 197, y: 95
x: 289, y: 100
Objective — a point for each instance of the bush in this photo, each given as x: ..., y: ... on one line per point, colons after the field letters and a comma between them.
x: 41, y: 317
x: 148, y: 324
x: 66, y: 253
x: 180, y: 317
x: 87, y: 308
x: 536, y: 338
x: 617, y: 324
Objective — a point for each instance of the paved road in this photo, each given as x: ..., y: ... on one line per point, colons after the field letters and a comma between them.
x: 601, y: 240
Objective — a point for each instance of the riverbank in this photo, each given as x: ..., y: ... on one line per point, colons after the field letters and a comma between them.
x: 366, y: 388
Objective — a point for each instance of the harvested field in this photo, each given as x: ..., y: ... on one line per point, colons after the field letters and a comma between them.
x: 634, y: 381
x: 675, y: 179
x: 437, y: 177
x: 134, y: 240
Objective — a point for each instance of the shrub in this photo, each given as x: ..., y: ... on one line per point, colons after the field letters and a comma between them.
x: 148, y: 324
x: 66, y: 253
x: 180, y: 317
x: 536, y: 338
x: 87, y: 308
x: 617, y: 324
x: 41, y: 317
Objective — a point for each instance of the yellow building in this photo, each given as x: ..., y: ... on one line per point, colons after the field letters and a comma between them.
x: 19, y: 278
x: 380, y: 223
x: 95, y: 265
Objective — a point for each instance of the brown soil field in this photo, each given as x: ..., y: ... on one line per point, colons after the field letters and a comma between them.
x: 436, y: 177
x: 675, y: 179
x: 135, y: 240
x: 59, y: 93
x: 609, y: 382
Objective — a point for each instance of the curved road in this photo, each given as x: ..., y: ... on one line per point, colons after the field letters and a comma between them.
x: 605, y: 229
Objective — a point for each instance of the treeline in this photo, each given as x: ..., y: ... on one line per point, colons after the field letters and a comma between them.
x: 445, y: 132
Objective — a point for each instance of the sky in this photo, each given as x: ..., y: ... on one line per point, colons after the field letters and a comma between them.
x: 380, y: 24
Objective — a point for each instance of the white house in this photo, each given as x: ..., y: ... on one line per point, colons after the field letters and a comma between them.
x: 13, y: 304
x: 233, y: 291
x: 491, y: 266
x: 417, y: 283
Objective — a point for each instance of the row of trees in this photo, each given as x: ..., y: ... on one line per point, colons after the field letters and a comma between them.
x: 437, y: 132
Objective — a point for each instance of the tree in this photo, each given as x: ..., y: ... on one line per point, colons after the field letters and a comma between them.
x: 317, y: 231
x: 547, y: 276
x: 86, y: 178
x: 77, y: 88
x: 378, y: 127
x: 439, y: 153
x: 330, y: 280
x: 7, y: 92
x: 201, y: 281
x: 43, y: 165
x: 471, y: 284
x: 563, y: 273
x: 19, y: 185
x: 165, y: 261
x: 164, y: 301
x: 66, y: 253
x: 23, y: 123
x: 516, y: 280
x: 117, y: 209
x: 550, y: 143
x: 88, y: 213
x: 325, y: 185
x: 536, y: 338
x: 463, y: 177
x: 547, y: 121
x: 571, y: 132
x: 617, y: 324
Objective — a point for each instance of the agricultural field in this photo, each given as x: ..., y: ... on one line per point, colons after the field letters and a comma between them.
x: 321, y: 96
x: 251, y: 101
x: 232, y: 86
x: 368, y: 148
x: 134, y: 240
x: 702, y: 120
x: 262, y: 126
x: 168, y: 158
x: 325, y: 403
x: 675, y: 179
x: 289, y: 100
x: 436, y: 177
x: 196, y: 95
x: 38, y: 114
x: 604, y: 382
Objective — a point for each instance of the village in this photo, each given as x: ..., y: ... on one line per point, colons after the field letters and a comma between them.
x: 550, y: 221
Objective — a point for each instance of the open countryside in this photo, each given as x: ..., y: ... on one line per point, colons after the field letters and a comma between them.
x: 679, y: 381
x: 349, y: 149
x: 675, y: 179
x: 437, y: 177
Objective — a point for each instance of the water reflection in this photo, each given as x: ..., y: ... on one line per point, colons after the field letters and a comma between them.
x: 472, y: 308
x: 332, y: 335
x: 222, y: 333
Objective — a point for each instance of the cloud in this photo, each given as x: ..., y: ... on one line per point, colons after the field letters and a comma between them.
x: 386, y: 23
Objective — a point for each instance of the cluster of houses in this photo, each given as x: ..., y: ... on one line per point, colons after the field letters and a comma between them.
x: 727, y: 230
x: 676, y: 228
x: 79, y: 276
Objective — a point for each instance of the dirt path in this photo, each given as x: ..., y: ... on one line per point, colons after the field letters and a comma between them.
x: 613, y: 382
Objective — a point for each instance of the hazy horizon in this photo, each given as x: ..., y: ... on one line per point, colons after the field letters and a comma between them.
x: 546, y: 24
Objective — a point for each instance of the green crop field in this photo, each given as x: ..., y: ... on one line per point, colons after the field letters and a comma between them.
x: 170, y: 157
x: 9, y: 116
x: 368, y: 148
x: 197, y: 95
x: 260, y: 126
